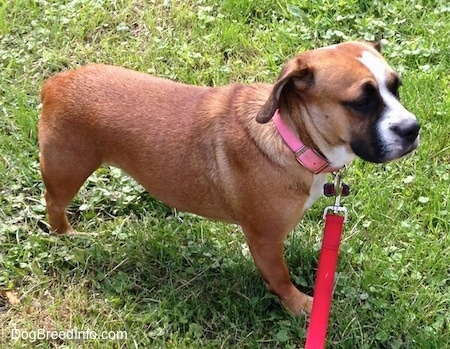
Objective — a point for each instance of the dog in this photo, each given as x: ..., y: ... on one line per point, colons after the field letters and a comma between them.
x: 227, y: 153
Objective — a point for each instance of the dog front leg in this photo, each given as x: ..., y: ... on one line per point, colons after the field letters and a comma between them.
x: 267, y: 252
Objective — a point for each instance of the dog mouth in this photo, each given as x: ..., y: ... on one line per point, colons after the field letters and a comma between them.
x: 382, y: 152
x: 403, y: 150
x: 400, y: 140
x: 388, y: 141
x: 406, y: 149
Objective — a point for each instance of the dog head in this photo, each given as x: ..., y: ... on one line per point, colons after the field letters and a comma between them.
x: 346, y: 98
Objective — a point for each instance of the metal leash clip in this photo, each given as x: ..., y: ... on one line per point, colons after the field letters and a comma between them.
x: 337, y: 189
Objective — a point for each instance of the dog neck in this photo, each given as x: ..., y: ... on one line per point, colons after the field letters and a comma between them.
x: 307, y: 157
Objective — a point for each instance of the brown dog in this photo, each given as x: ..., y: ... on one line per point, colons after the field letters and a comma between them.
x: 215, y: 151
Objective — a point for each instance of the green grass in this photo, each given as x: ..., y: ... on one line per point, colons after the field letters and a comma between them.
x: 173, y: 280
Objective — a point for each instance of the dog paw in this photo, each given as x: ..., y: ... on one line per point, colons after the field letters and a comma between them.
x: 307, y: 308
x: 300, y: 304
x: 73, y: 233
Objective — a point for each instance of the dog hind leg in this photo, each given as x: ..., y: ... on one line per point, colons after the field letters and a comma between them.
x: 63, y: 171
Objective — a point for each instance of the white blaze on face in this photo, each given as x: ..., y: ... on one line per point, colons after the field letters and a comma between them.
x: 395, y: 114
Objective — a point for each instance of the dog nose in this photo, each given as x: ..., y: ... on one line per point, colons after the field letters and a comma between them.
x: 408, y: 130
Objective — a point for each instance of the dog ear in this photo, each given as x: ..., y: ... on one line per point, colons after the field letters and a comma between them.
x: 294, y: 72
x: 376, y: 45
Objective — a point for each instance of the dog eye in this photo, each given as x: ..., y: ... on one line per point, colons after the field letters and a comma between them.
x: 394, y: 87
x: 367, y: 102
x: 363, y: 105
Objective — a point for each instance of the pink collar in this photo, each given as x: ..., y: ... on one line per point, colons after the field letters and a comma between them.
x: 307, y: 157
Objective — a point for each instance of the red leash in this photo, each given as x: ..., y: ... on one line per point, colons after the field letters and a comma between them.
x: 323, y: 292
